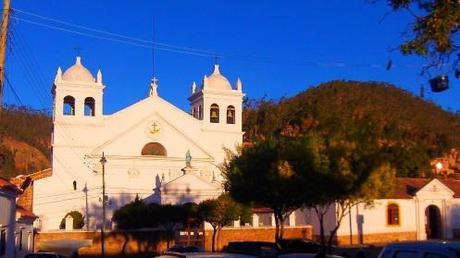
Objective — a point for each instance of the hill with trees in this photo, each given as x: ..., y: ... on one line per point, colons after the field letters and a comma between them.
x: 25, y: 141
x: 409, y: 129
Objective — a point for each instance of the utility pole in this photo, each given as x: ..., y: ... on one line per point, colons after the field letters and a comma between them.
x: 103, y: 160
x: 4, y: 31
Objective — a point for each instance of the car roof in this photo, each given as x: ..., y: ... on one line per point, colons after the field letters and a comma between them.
x: 205, y: 254
x: 430, y: 244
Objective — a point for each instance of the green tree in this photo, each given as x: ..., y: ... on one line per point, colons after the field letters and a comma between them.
x: 351, y: 170
x: 265, y: 174
x: 435, y: 30
x: 219, y: 212
x: 78, y: 220
x: 170, y: 217
x: 136, y: 214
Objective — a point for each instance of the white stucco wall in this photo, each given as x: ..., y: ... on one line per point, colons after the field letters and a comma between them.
x: 78, y: 142
x: 372, y: 219
x: 8, y: 220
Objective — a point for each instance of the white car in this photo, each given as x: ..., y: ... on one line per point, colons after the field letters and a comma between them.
x: 204, y: 255
x: 306, y: 255
x: 421, y: 249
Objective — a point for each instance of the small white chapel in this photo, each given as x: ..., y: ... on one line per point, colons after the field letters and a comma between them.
x: 152, y: 148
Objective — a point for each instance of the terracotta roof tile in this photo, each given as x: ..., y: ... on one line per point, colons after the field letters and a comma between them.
x: 406, y: 188
x: 24, y: 213
x: 7, y: 185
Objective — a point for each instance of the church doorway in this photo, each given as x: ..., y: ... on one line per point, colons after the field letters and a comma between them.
x: 433, y: 224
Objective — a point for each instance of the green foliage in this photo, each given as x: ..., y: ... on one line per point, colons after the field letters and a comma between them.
x: 136, y: 214
x: 78, y: 220
x: 28, y: 125
x: 408, y: 129
x: 435, y: 29
x: 7, y: 167
x: 220, y: 212
x: 269, y: 173
x: 24, y: 124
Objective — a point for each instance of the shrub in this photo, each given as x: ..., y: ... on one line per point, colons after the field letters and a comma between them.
x: 78, y: 220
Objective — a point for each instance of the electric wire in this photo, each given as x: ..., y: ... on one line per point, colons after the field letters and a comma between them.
x: 115, y: 34
x: 194, y: 51
x: 13, y: 90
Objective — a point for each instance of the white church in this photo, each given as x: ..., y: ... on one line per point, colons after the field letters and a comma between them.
x: 153, y: 149
x: 165, y: 155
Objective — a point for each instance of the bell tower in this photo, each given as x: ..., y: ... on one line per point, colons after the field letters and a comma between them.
x: 77, y: 95
x: 217, y: 103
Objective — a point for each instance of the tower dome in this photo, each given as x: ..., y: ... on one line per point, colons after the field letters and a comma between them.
x: 78, y: 72
x: 217, y: 81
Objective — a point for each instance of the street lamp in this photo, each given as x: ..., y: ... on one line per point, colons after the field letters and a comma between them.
x: 438, y: 167
x: 103, y: 160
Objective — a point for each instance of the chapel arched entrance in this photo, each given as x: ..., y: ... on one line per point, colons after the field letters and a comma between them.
x: 433, y: 225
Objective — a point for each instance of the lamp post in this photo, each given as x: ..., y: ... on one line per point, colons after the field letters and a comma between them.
x: 103, y: 160
x: 439, y: 167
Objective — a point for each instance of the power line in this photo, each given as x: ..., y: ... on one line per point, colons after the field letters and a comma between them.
x: 115, y: 34
x: 189, y: 52
x: 13, y: 90
x: 120, y: 38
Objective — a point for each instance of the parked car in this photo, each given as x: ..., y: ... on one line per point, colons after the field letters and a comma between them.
x: 255, y: 248
x: 299, y: 245
x: 308, y: 255
x: 204, y: 255
x: 44, y: 255
x: 186, y: 249
x: 421, y: 249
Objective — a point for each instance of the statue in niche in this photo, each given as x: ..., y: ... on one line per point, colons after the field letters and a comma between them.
x: 188, y: 159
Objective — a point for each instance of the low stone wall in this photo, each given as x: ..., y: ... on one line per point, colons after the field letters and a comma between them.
x: 253, y: 234
x: 380, y: 238
x: 117, y: 243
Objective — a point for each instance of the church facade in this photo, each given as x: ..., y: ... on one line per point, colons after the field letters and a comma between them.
x: 153, y: 149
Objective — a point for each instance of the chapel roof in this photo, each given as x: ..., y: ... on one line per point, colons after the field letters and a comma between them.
x: 78, y: 73
x: 406, y: 188
x: 217, y: 81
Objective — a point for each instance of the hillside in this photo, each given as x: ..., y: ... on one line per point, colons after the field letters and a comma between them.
x: 410, y: 130
x: 25, y: 136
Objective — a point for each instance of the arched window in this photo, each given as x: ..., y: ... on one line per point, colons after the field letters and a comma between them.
x: 230, y: 115
x: 393, y: 214
x: 214, y: 113
x: 69, y: 106
x: 89, y: 107
x: 154, y: 148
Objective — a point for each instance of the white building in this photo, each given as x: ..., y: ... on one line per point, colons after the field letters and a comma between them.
x: 8, y: 194
x: 418, y: 209
x: 153, y: 148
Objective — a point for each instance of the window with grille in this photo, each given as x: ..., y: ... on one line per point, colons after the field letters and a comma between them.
x: 393, y: 214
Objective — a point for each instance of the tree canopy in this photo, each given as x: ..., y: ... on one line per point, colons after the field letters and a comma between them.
x: 435, y: 29
x: 410, y: 130
x: 221, y: 212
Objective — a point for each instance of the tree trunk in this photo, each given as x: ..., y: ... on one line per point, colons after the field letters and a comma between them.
x: 277, y: 228
x: 322, y: 237
x: 321, y: 233
x: 214, y: 234
x: 281, y: 233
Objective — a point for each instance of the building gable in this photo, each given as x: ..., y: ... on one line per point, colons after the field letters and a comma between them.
x: 435, y: 189
x: 152, y: 120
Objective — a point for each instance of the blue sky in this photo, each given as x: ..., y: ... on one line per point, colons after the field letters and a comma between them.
x: 277, y: 48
